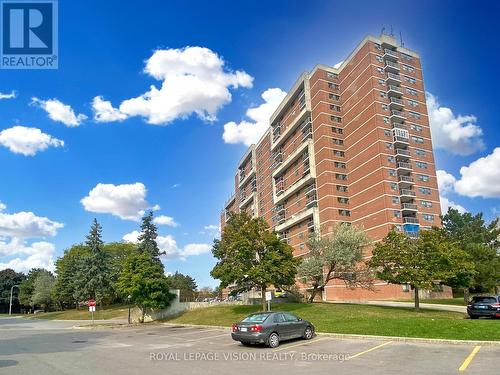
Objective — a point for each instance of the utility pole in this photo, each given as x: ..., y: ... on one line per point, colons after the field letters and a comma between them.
x: 10, y: 303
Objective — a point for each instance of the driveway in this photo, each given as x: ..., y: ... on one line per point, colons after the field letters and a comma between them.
x: 46, y: 347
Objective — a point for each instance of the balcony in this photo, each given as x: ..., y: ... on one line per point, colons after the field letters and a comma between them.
x: 402, y: 152
x: 401, y: 141
x: 410, y: 220
x: 390, y: 55
x: 310, y: 190
x: 397, y: 125
x: 396, y: 103
x: 403, y: 166
x: 394, y: 90
x: 391, y: 66
x: 407, y: 193
x: 296, y: 218
x: 409, y: 207
x: 405, y: 182
x: 393, y: 79
x: 398, y: 116
x: 312, y: 201
x: 276, y: 132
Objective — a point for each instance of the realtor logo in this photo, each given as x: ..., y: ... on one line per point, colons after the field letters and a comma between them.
x: 28, y: 34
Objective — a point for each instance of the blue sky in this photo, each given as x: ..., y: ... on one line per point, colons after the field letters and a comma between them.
x: 168, y: 148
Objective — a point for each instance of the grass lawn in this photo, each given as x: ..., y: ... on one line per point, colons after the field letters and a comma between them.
x: 362, y: 319
x: 109, y: 312
x: 441, y: 301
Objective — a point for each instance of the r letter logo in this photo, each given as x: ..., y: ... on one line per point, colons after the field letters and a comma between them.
x: 28, y: 34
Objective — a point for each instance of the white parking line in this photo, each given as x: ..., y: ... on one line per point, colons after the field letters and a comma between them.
x: 180, y: 334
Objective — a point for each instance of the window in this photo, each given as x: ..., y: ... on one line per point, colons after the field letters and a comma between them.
x: 395, y: 200
x: 392, y: 172
x: 335, y: 119
x: 423, y: 177
x: 428, y: 217
x: 339, y: 164
x: 421, y: 164
x: 410, y: 80
x: 377, y: 46
x: 412, y: 103
x: 332, y: 75
x: 279, y: 318
x: 419, y: 152
x: 427, y: 204
x: 387, y: 132
x: 339, y: 153
x: 411, y: 91
x: 290, y: 317
x: 406, y: 57
x: 337, y: 141
x: 417, y: 139
x: 408, y: 68
x: 340, y: 176
x: 337, y: 130
x: 386, y: 120
x: 256, y: 318
x: 379, y: 58
x: 415, y: 127
x: 381, y: 82
x: 333, y: 96
x: 385, y: 107
x: 391, y: 159
x: 388, y: 145
x: 424, y: 190
x: 380, y: 70
x: 394, y: 186
x: 334, y: 107
x: 397, y: 213
x: 333, y: 86
x: 415, y: 115
x: 342, y: 188
x: 343, y: 200
x: 344, y: 213
x: 383, y: 94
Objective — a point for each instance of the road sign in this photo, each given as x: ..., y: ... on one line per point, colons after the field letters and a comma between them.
x: 269, y: 296
x: 92, y: 308
x: 91, y: 302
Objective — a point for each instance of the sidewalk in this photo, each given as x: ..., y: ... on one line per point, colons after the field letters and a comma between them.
x: 461, y: 309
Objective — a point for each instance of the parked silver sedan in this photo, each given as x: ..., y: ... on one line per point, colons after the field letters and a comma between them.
x: 271, y: 328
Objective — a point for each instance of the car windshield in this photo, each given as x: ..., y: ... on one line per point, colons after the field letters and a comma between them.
x: 255, y: 318
x: 484, y: 300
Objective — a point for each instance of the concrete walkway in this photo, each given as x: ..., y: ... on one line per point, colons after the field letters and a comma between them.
x: 461, y: 309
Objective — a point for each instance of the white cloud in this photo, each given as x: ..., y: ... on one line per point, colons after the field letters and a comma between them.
x: 212, y: 230
x: 127, y: 201
x: 27, y: 141
x: 27, y: 225
x: 194, y: 80
x: 165, y: 220
x: 481, y: 178
x: 457, y: 134
x: 59, y: 111
x: 248, y: 132
x: 15, y: 229
x: 2, y: 206
x: 168, y: 244
x: 446, y: 181
x: 337, y: 65
x: 12, y: 95
x: 105, y: 112
x: 446, y: 203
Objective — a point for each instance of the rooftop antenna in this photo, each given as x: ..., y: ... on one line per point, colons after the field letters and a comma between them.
x: 401, y: 38
x: 382, y: 32
x: 392, y: 33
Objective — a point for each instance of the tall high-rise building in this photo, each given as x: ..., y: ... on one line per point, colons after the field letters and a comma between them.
x: 347, y: 144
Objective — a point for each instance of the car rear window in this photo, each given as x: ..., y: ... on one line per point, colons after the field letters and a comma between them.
x: 255, y: 318
x: 484, y: 300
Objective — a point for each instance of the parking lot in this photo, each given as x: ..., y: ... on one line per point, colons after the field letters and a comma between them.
x: 58, y: 348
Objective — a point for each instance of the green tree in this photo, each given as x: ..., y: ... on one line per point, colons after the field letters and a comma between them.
x: 117, y: 253
x: 27, y: 287
x: 9, y: 278
x: 143, y: 279
x: 147, y: 238
x: 185, y: 283
x: 481, y: 242
x: 97, y: 272
x: 430, y: 259
x: 250, y: 256
x: 337, y: 255
x: 43, y: 290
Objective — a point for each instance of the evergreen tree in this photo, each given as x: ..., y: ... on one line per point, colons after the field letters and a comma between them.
x: 147, y: 238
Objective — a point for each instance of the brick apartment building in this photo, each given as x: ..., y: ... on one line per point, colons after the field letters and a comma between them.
x: 348, y: 144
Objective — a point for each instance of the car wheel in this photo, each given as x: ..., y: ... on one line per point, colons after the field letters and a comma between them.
x: 474, y: 316
x: 308, y: 333
x: 274, y: 340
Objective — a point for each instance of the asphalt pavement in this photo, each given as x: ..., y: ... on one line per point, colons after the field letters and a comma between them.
x: 57, y: 347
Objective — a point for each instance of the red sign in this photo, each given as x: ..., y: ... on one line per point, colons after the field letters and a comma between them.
x: 91, y: 302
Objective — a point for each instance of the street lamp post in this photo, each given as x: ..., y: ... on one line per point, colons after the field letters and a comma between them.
x: 11, y: 291
x: 128, y: 299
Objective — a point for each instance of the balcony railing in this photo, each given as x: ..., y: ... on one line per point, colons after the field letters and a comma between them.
x: 397, y: 101
x: 395, y: 88
x: 393, y: 76
x: 391, y: 53
x: 398, y: 113
x: 409, y: 206
x: 391, y: 64
x: 396, y: 125
x: 404, y: 165
x: 400, y: 151
x: 405, y: 179
x: 407, y: 192
x: 410, y: 220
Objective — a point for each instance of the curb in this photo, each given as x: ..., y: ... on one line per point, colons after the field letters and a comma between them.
x: 372, y: 337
